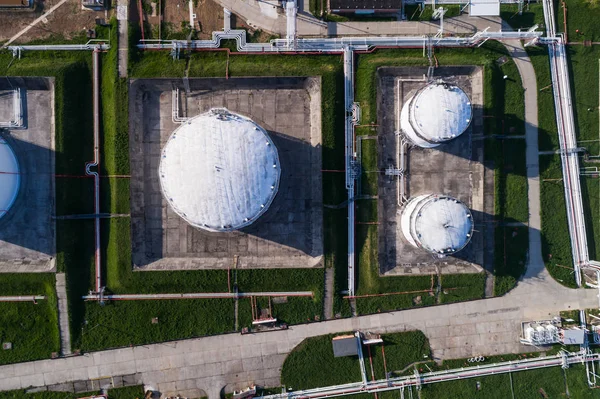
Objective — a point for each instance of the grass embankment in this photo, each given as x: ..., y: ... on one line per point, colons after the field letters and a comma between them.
x: 31, y: 328
x: 401, y: 350
x: 547, y: 383
x: 135, y: 392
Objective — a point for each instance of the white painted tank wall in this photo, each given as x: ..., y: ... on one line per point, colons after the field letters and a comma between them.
x: 435, y: 114
x: 439, y: 224
x: 10, y: 178
x: 219, y: 171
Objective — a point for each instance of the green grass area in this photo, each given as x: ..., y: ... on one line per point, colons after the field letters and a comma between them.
x: 511, y: 246
x: 541, y: 383
x: 369, y: 282
x: 529, y: 384
x: 31, y: 328
x: 580, y: 16
x: 134, y: 392
x: 556, y: 244
x: 510, y: 180
x: 590, y: 189
x: 547, y: 131
x: 124, y: 323
x: 533, y: 13
x: 298, y: 371
x: 316, y: 353
x: 369, y: 170
x: 585, y: 64
x: 462, y: 287
x: 366, y: 211
x: 490, y: 387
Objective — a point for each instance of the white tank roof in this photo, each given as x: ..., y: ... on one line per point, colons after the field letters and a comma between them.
x: 440, y: 224
x: 10, y: 179
x: 435, y: 114
x: 219, y: 171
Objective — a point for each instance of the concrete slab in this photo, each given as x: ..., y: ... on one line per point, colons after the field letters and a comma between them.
x: 289, y: 234
x: 455, y: 168
x: 27, y: 231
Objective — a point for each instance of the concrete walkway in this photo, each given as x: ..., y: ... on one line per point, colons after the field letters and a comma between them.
x: 253, y: 13
x: 63, y: 315
x: 328, y: 294
x: 123, y: 26
x: 521, y: 59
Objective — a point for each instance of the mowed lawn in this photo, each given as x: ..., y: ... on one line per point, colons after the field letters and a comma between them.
x: 31, y: 328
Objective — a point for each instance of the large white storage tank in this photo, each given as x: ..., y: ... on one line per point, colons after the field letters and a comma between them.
x: 436, y: 113
x: 219, y: 171
x: 439, y: 224
x: 10, y: 177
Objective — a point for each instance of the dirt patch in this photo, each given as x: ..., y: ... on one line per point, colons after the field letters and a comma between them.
x: 176, y: 16
x: 68, y: 20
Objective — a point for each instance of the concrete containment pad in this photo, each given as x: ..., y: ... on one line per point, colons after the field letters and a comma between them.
x: 27, y: 230
x: 288, y: 234
x: 455, y: 168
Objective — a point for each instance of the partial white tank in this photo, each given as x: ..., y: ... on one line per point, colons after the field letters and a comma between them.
x: 10, y: 177
x: 219, y: 171
x: 435, y: 114
x: 529, y: 334
x: 439, y: 224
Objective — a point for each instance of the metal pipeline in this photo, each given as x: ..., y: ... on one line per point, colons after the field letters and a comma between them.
x: 95, y: 163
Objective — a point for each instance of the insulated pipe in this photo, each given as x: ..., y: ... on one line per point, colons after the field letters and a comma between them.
x: 197, y: 295
x: 94, y: 163
x: 22, y: 298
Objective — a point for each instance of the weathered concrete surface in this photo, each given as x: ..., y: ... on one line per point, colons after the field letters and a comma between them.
x: 63, y: 314
x: 454, y: 168
x: 289, y: 234
x: 27, y: 231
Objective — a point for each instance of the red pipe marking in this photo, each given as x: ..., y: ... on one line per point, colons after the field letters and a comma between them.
x: 372, y: 371
x: 384, y: 362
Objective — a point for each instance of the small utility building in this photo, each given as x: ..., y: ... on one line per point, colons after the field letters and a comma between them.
x: 345, y: 345
x: 573, y: 336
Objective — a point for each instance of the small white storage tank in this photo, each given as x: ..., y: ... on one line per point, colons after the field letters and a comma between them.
x: 529, y: 334
x: 438, y: 223
x: 10, y: 178
x: 551, y: 333
x: 436, y: 113
x: 219, y: 171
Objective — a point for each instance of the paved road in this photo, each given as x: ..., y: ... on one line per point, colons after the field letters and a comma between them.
x: 517, y: 52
